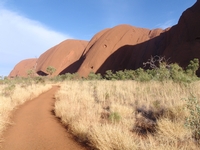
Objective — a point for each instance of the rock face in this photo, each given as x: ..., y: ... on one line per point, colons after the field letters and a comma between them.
x: 126, y: 47
x: 114, y: 50
x: 22, y: 68
x: 61, y: 57
x: 183, y: 40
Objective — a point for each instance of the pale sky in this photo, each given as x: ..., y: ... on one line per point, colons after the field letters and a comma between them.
x: 30, y: 27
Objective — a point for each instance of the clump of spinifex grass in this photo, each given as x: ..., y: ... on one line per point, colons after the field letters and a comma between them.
x: 146, y: 119
x: 12, y: 95
x: 117, y: 114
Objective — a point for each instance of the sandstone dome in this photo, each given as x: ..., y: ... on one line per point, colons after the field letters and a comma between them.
x: 126, y: 47
x: 111, y: 49
x: 22, y: 68
x: 61, y: 56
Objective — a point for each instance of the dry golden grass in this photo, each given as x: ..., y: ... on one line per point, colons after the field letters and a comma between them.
x: 12, y: 97
x: 103, y: 113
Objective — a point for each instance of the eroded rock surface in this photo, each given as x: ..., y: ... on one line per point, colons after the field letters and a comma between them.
x: 61, y: 57
x: 22, y: 68
x: 125, y: 47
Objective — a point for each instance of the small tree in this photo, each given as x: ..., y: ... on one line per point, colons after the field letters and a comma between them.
x: 50, y: 70
x: 157, y: 62
x: 30, y: 72
x: 192, y: 67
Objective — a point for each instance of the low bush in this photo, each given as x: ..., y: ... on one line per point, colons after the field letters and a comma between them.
x: 39, y: 79
x: 193, y: 120
x: 161, y: 71
x: 93, y: 76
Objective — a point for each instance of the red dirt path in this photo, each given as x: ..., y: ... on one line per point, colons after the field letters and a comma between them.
x: 35, y: 128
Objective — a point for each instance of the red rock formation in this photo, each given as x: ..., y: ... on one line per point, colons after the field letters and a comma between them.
x: 112, y: 50
x: 22, y: 68
x: 183, y: 40
x: 61, y: 57
x: 94, y: 40
x: 127, y: 47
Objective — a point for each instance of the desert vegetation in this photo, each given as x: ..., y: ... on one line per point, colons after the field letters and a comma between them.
x: 158, y: 70
x: 130, y: 114
x: 50, y: 70
x: 147, y: 109
x: 13, y: 93
x: 157, y: 108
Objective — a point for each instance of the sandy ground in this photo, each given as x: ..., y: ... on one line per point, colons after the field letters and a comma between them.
x: 36, y: 128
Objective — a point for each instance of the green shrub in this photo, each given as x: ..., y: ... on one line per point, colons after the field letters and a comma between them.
x: 142, y: 75
x: 30, y: 73
x: 129, y: 74
x: 8, y: 91
x: 193, y: 121
x: 193, y: 67
x: 50, y: 70
x: 120, y: 75
x: 178, y: 74
x: 161, y: 70
x: 93, y: 76
x: 109, y: 75
x: 39, y: 79
x: 69, y: 76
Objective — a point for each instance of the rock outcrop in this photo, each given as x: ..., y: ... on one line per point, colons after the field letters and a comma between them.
x: 61, y: 57
x: 183, y: 40
x: 113, y: 49
x: 126, y: 47
x: 22, y: 68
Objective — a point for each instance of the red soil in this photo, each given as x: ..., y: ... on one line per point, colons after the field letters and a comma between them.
x: 35, y: 128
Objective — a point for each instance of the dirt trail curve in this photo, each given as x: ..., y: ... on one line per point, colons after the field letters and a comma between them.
x: 35, y: 128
